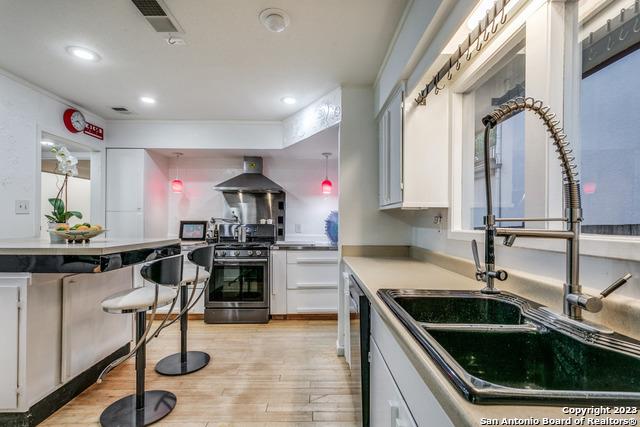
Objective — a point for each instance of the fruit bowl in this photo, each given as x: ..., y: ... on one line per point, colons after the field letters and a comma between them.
x: 78, y: 235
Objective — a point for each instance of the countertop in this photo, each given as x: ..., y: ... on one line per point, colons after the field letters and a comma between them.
x: 94, y: 247
x: 304, y: 246
x: 407, y: 273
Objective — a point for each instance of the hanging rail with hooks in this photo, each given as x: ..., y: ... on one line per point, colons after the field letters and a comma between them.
x: 618, y: 36
x: 488, y: 25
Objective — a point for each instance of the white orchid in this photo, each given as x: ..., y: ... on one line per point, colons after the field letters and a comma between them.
x: 67, y: 163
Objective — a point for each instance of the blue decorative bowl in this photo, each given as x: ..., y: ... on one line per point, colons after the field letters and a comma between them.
x: 331, y: 227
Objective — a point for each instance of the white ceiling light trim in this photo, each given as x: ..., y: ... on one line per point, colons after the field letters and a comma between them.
x: 147, y: 100
x: 289, y: 100
x: 47, y: 143
x: 274, y: 20
x: 83, y: 53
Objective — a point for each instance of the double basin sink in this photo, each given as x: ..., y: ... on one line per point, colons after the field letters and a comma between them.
x: 503, y: 349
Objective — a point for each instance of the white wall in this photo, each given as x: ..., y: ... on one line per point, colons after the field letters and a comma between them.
x: 361, y: 222
x: 194, y: 134
x: 301, y: 179
x: 26, y: 112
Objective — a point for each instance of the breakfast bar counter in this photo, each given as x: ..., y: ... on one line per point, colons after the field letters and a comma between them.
x: 56, y: 337
x: 96, y: 256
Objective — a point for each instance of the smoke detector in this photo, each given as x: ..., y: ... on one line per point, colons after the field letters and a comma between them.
x: 274, y: 20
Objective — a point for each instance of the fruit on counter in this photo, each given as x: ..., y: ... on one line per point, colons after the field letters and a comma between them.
x: 80, y: 227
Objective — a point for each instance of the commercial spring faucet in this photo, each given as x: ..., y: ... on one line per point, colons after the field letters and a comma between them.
x: 574, y: 300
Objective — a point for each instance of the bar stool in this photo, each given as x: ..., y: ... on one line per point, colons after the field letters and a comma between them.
x: 187, y: 362
x: 143, y: 407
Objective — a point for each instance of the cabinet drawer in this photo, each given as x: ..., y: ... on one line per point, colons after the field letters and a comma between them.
x: 312, y: 276
x: 312, y: 257
x: 312, y: 301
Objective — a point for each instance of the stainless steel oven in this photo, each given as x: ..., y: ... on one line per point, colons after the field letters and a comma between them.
x: 239, y: 285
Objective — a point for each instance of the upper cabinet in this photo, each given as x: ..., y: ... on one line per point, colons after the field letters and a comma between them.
x: 414, y: 152
x: 390, y: 134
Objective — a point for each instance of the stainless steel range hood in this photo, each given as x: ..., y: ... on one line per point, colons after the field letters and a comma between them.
x: 251, y: 180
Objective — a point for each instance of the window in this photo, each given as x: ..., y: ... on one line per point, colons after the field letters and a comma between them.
x: 506, y: 145
x: 609, y: 148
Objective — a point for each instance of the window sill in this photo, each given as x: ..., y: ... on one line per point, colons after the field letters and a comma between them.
x: 615, y: 247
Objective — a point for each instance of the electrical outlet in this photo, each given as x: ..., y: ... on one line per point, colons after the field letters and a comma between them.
x: 23, y: 207
x: 298, y: 228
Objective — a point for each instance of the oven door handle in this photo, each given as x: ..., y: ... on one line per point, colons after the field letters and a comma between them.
x: 240, y: 261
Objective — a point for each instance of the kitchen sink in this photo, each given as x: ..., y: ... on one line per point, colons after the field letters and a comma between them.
x: 461, y: 309
x: 501, y: 349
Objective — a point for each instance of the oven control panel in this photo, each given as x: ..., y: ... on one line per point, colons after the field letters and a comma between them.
x: 241, y: 253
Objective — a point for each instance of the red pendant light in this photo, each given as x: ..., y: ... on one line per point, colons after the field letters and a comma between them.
x: 177, y: 185
x: 326, y: 185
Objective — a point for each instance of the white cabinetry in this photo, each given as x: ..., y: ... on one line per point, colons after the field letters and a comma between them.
x: 413, y: 392
x: 304, y: 281
x: 10, y: 292
x: 278, y: 282
x: 388, y: 408
x: 137, y: 194
x: 414, y: 152
x: 312, y: 282
x: 390, y: 134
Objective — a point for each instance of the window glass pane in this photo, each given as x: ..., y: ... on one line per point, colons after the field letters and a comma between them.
x: 610, y: 148
x: 506, y: 146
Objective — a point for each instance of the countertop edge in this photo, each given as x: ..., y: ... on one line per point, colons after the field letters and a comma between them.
x: 79, y: 249
x: 426, y: 368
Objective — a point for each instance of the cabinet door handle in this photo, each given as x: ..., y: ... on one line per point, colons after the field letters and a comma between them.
x: 396, y: 421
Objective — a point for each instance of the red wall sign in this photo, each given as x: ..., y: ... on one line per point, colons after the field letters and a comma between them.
x: 94, y: 131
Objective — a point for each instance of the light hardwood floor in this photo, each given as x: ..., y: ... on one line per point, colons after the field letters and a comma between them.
x: 285, y: 373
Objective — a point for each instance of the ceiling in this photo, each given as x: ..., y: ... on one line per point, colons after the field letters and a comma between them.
x: 308, y: 149
x: 231, y: 67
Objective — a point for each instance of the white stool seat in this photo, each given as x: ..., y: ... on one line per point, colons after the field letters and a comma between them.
x: 138, y: 299
x: 203, y: 275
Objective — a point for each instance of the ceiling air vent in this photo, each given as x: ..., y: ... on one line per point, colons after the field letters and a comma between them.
x: 158, y: 16
x: 122, y: 110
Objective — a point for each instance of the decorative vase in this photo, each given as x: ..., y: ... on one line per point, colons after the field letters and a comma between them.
x: 331, y: 227
x: 53, y: 236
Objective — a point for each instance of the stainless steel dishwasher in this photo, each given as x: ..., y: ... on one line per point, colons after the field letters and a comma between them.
x: 359, y: 342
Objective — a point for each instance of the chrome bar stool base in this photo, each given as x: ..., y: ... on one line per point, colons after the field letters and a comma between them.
x: 157, y: 405
x: 174, y: 365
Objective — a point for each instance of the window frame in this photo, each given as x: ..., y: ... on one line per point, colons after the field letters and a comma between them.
x: 563, y: 92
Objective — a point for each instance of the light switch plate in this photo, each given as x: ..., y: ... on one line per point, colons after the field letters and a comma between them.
x: 23, y: 207
x: 298, y: 228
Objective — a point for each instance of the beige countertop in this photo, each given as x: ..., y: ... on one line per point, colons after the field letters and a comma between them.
x: 94, y: 247
x: 407, y: 273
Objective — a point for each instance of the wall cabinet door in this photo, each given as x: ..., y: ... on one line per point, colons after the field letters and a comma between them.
x: 390, y: 128
x: 125, y: 179
x: 9, y: 312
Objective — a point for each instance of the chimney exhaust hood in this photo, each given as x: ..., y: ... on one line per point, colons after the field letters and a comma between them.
x: 251, y: 180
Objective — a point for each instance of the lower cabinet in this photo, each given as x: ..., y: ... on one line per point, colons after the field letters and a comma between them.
x: 388, y: 408
x: 304, y: 282
x: 399, y: 396
x: 10, y: 306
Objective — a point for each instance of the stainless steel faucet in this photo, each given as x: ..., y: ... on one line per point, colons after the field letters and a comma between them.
x: 574, y: 300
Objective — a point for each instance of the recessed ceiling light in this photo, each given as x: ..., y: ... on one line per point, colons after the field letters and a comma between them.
x: 147, y: 100
x: 275, y: 20
x: 46, y: 143
x: 289, y: 100
x: 83, y: 53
